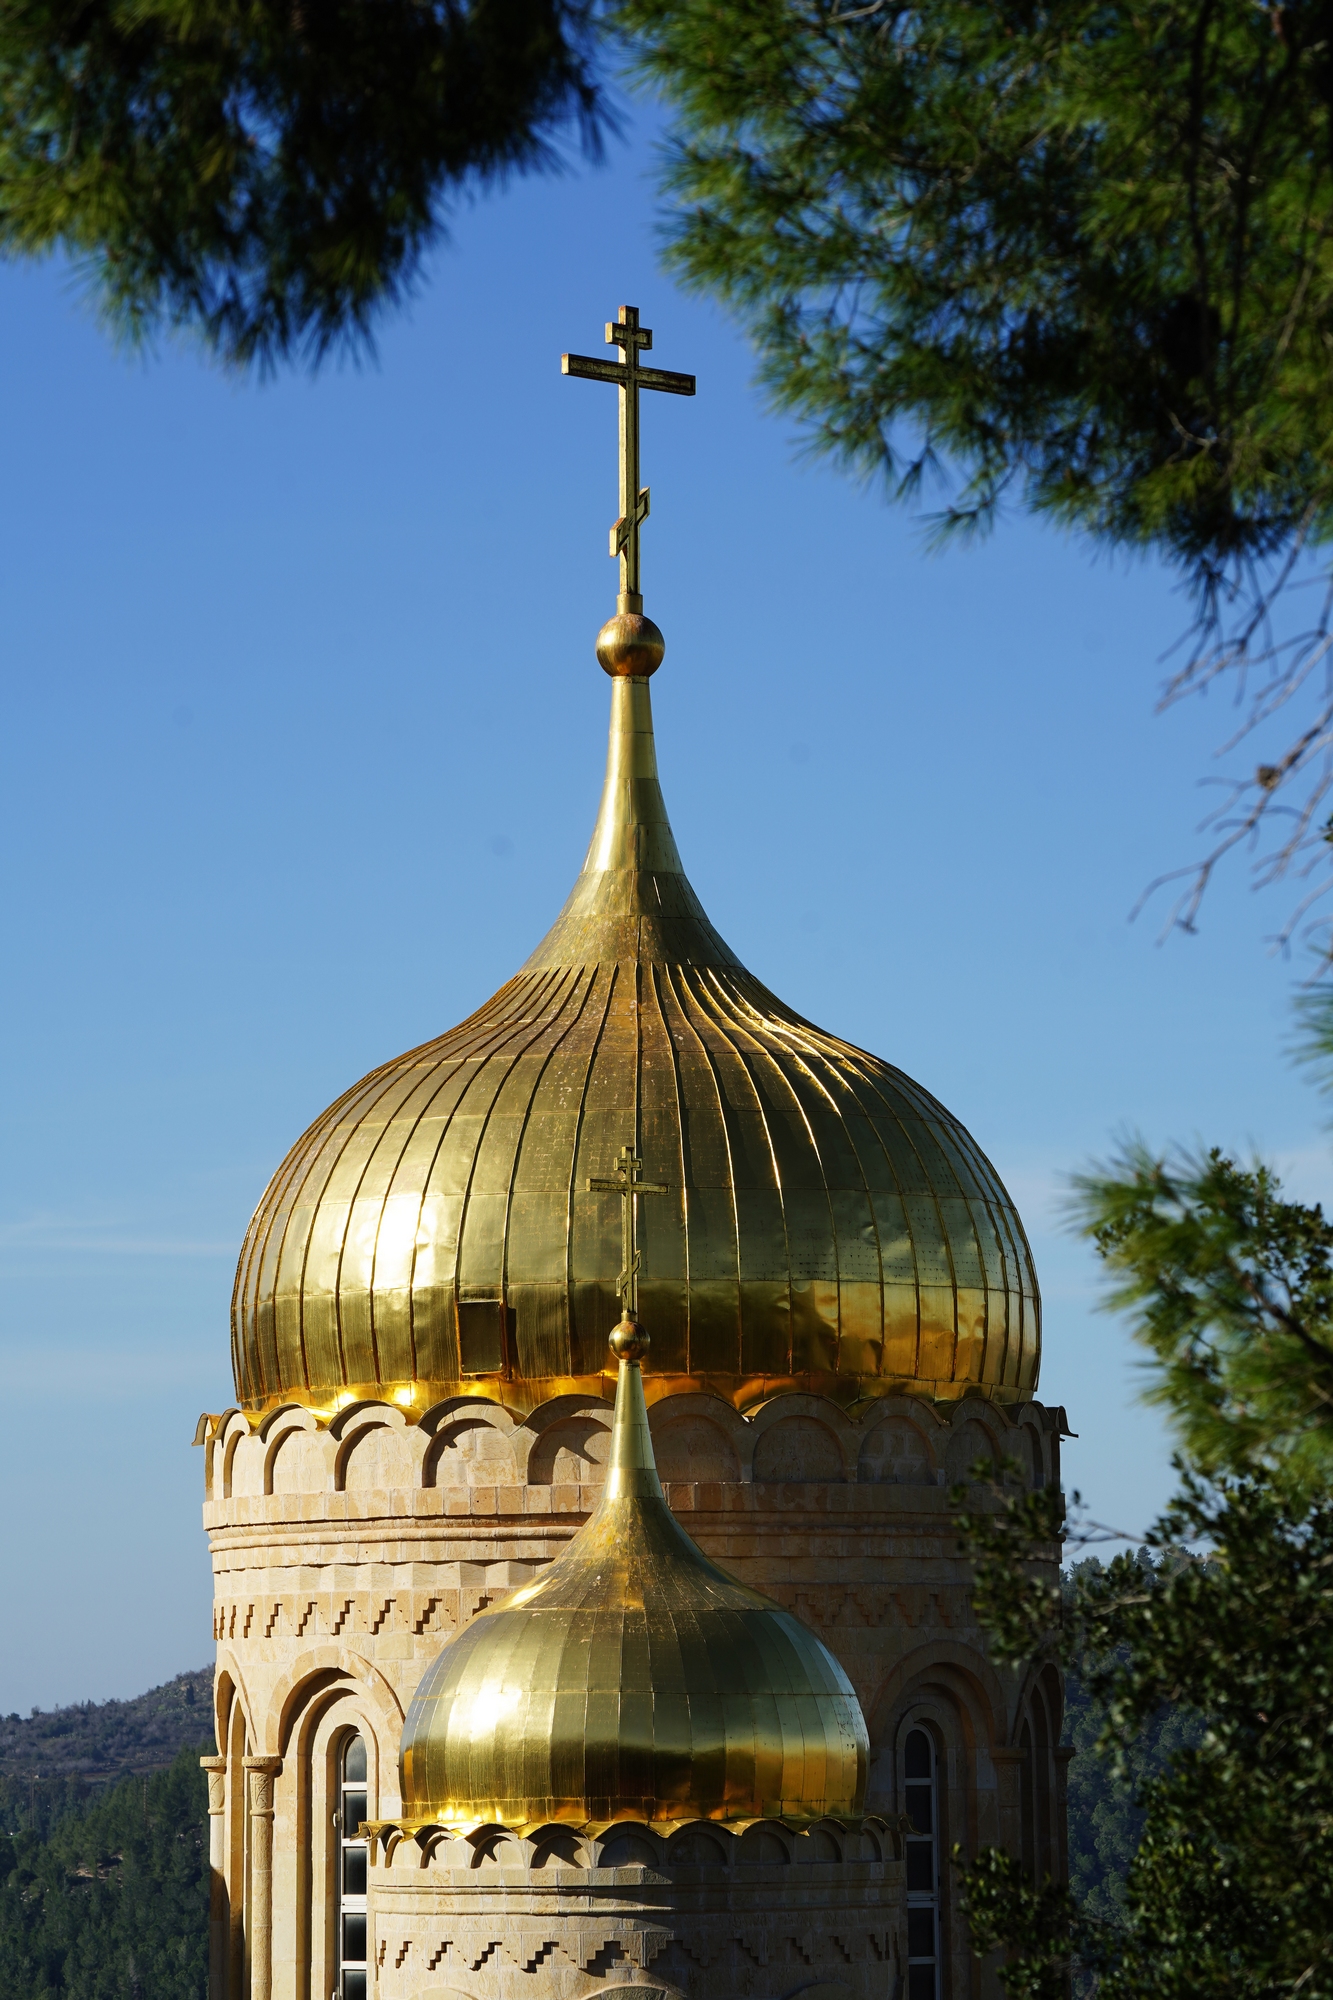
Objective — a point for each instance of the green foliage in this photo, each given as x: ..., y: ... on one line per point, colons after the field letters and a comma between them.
x: 1080, y: 250
x: 1205, y: 1664
x: 1230, y: 1890
x: 1230, y: 1289
x: 113, y: 1900
x: 266, y: 171
x: 1105, y: 1819
x: 1013, y: 1541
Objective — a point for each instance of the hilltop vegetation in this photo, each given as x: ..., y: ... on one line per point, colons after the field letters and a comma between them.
x: 99, y: 1741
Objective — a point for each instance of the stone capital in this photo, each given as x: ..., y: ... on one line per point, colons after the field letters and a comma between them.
x: 262, y: 1771
x: 216, y: 1767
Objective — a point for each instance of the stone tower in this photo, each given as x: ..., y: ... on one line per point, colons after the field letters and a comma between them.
x: 844, y: 1318
x: 634, y: 1769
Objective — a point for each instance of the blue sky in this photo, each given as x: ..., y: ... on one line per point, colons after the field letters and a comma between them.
x: 302, y: 742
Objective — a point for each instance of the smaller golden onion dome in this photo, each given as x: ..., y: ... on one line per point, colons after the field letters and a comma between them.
x: 633, y: 1679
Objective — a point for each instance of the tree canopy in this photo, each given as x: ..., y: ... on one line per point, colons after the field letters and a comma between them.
x: 108, y: 1897
x: 264, y: 172
x: 1208, y: 1659
x: 1076, y: 254
x: 1230, y: 1289
x: 1105, y: 1819
x: 1080, y: 248
x: 1229, y: 1892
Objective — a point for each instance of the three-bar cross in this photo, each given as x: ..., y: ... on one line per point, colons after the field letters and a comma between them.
x: 627, y: 1184
x: 625, y: 333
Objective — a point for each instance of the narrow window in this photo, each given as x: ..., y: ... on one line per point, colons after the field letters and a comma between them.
x: 921, y: 1792
x: 1041, y: 1790
x: 352, y: 1859
x: 1027, y: 1813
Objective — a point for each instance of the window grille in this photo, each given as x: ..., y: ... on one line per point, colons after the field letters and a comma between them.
x: 921, y: 1796
x: 353, y: 1857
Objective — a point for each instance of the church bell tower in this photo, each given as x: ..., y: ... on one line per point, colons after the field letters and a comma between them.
x: 587, y: 1610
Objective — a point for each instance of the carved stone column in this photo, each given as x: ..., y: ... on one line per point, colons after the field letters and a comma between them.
x: 261, y: 1772
x: 216, y: 1768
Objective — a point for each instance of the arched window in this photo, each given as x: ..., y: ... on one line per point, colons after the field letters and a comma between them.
x: 921, y: 1797
x: 352, y: 1859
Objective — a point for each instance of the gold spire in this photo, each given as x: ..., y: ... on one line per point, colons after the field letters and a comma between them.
x: 632, y: 898
x: 633, y: 1679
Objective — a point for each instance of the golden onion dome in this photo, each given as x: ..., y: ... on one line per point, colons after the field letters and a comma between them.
x: 829, y: 1226
x: 632, y: 1679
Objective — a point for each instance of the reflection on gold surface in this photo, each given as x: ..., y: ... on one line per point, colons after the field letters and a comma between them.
x: 828, y: 1225
x: 633, y: 1679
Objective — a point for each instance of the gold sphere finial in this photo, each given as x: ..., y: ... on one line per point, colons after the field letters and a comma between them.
x: 630, y: 646
x: 629, y: 1341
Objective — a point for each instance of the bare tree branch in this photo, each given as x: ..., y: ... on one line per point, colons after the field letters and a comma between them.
x: 1236, y: 634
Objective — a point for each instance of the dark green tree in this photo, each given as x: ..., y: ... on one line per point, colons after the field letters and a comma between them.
x: 1209, y: 1662
x: 110, y: 1898
x: 1230, y: 1890
x: 1076, y: 253
x: 1105, y: 1819
x: 268, y: 172
x: 1230, y: 1289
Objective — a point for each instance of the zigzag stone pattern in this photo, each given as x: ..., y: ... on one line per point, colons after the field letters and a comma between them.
x: 700, y: 1909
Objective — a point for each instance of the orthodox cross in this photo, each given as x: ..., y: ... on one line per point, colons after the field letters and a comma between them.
x: 627, y: 1184
x: 632, y: 339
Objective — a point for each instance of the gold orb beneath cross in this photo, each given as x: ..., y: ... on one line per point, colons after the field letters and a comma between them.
x: 629, y: 1341
x: 630, y: 646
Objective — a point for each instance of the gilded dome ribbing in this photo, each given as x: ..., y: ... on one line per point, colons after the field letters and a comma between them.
x: 829, y: 1225
x: 633, y: 1679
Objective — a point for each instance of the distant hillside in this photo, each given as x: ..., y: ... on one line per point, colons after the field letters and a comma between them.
x: 100, y: 1741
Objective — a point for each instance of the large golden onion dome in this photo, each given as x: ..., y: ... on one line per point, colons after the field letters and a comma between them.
x: 829, y: 1226
x: 632, y: 1679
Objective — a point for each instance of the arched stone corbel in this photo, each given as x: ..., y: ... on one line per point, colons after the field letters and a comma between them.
x: 207, y: 1432
x: 528, y: 1435
x: 278, y: 1426
x: 821, y: 1410
x: 914, y: 1411
x: 447, y: 1423
x: 735, y: 1430
x: 351, y: 1424
x: 234, y: 1429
